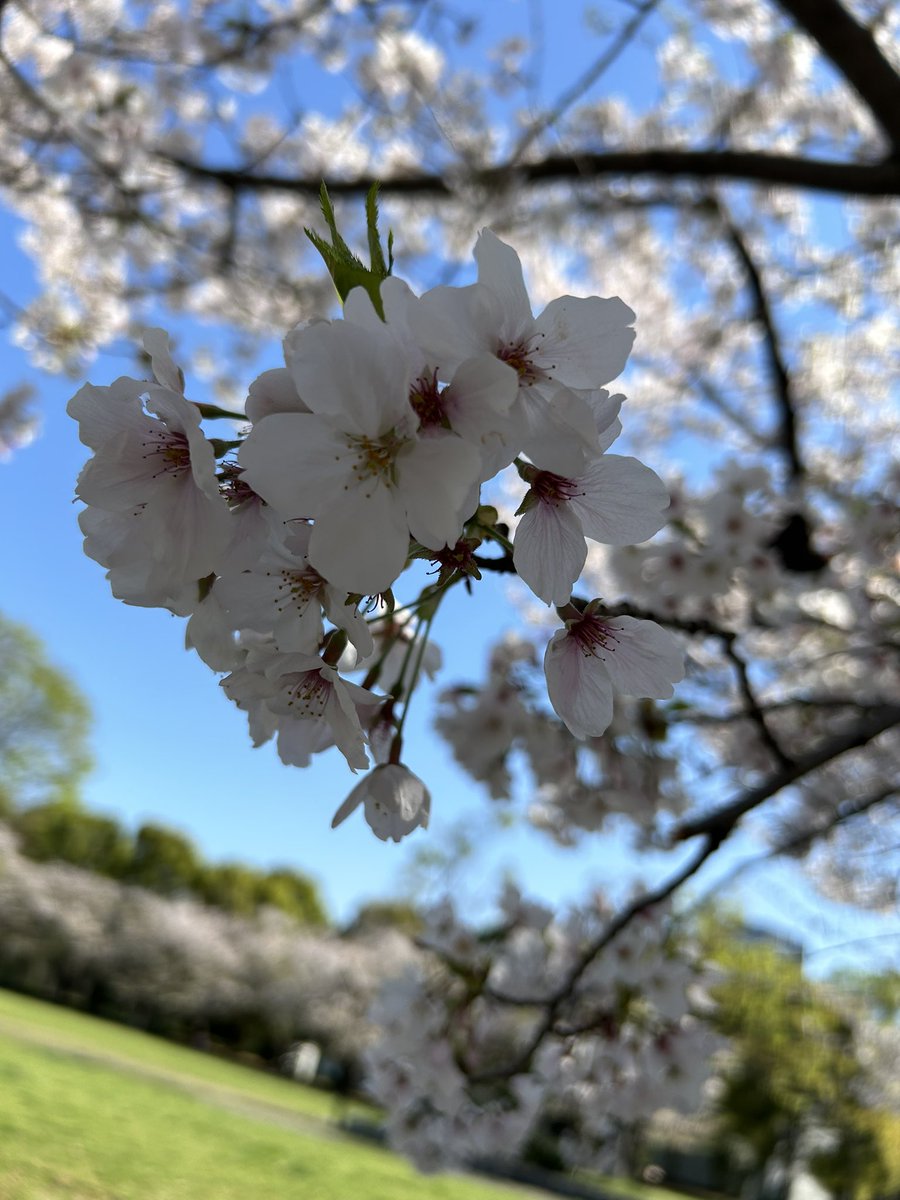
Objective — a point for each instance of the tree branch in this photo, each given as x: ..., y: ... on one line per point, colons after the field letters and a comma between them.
x: 855, y: 53
x: 822, y: 175
x: 721, y: 821
x: 752, y: 705
x: 762, y: 313
x: 796, y: 842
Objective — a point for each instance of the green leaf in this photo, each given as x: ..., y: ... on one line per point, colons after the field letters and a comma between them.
x: 211, y: 412
x: 347, y: 269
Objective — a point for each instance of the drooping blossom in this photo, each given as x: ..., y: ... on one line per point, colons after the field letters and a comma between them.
x: 574, y: 345
x: 394, y: 800
x: 355, y: 464
x: 153, y: 476
x: 595, y: 656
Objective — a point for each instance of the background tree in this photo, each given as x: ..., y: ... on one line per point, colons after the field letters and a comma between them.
x: 744, y: 198
x: 794, y: 1087
x: 44, y: 725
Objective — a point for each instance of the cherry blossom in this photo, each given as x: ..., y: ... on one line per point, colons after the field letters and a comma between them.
x: 595, y: 656
x: 395, y: 802
x: 355, y: 464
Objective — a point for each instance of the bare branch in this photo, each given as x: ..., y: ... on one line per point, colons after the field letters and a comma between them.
x: 781, y: 380
x: 822, y: 175
x: 855, y: 53
x: 584, y: 81
x: 753, y: 709
x: 721, y: 821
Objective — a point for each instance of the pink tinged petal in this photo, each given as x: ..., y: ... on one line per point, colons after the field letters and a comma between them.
x: 453, y: 324
x: 620, y: 502
x: 500, y: 269
x: 273, y: 392
x: 356, y: 375
x: 642, y: 659
x: 559, y: 433
x: 156, y: 343
x: 210, y: 634
x: 549, y: 551
x: 434, y: 477
x: 587, y: 340
x: 605, y: 409
x: 579, y: 687
x: 296, y: 462
x: 345, y: 617
x: 479, y: 398
x: 361, y: 543
x: 104, y: 413
x: 299, y: 740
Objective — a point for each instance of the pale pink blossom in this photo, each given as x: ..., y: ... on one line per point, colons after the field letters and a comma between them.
x: 595, y: 656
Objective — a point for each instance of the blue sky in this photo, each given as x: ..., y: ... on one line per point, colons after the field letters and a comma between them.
x: 169, y: 746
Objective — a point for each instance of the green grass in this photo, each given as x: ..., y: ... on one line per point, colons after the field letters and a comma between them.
x: 63, y: 1029
x: 91, y: 1111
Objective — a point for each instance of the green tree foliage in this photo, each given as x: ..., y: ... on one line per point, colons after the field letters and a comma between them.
x: 387, y: 914
x: 65, y: 832
x: 44, y: 724
x: 794, y: 1068
x: 161, y: 860
x: 293, y: 893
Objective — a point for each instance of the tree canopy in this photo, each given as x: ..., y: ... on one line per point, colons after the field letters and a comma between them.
x: 44, y: 724
x: 728, y: 174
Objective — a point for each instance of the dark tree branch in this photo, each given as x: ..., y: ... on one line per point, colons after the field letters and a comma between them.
x: 815, y: 174
x: 752, y: 705
x: 553, y: 1005
x: 797, y: 842
x: 585, y: 81
x: 855, y: 53
x: 781, y: 380
x: 721, y: 821
x: 714, y: 829
x: 805, y: 837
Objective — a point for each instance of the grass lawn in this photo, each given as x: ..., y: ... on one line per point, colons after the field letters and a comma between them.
x: 91, y: 1111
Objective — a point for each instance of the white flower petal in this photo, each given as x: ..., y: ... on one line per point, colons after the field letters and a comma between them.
x: 273, y: 392
x: 500, y: 269
x: 588, y: 339
x: 643, y: 659
x: 156, y: 343
x: 578, y: 686
x: 453, y: 324
x: 620, y: 502
x: 549, y: 551
x: 354, y: 374
x: 435, y: 476
x: 293, y: 461
x: 361, y: 544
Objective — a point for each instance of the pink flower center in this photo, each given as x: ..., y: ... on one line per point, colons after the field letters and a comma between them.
x: 427, y: 401
x: 555, y: 489
x: 296, y: 588
x: 593, y: 636
x: 171, y: 451
x: 308, y: 696
x: 519, y: 355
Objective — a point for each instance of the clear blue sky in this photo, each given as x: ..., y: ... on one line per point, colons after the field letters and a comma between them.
x: 170, y: 747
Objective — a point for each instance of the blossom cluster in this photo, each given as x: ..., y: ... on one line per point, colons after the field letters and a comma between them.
x: 526, y: 1023
x: 366, y: 451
